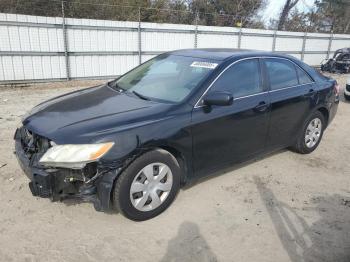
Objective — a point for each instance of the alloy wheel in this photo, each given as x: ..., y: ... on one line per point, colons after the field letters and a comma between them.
x: 313, y: 132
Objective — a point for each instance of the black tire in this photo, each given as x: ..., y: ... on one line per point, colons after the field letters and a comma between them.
x: 300, y: 145
x: 121, y: 193
x: 346, y: 97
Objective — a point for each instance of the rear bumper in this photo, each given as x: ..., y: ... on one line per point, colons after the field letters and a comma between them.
x: 333, y: 111
x: 53, y: 183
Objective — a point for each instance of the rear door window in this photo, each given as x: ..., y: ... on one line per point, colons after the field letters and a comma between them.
x: 281, y: 73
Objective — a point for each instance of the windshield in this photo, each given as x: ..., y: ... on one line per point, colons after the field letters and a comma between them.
x: 166, y: 77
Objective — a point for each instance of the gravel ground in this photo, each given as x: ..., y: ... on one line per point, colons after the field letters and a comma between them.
x: 283, y: 207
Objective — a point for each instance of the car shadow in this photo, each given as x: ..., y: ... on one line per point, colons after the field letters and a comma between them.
x: 222, y: 171
x: 188, y: 245
x: 73, y: 201
x: 327, y: 239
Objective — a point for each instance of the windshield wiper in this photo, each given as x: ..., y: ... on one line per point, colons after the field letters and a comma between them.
x: 121, y: 90
x: 141, y: 96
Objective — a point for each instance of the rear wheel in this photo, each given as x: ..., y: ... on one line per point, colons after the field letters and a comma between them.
x: 311, y: 134
x: 148, y: 185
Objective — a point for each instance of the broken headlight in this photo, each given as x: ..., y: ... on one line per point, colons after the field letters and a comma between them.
x: 74, y: 156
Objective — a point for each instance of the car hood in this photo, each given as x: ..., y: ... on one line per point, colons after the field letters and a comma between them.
x: 77, y: 113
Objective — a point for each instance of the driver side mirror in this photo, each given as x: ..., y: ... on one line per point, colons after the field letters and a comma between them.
x: 218, y: 99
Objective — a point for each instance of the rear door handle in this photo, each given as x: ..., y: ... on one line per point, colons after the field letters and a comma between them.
x: 262, y: 106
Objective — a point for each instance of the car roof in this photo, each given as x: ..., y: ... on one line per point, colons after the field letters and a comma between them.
x: 222, y: 54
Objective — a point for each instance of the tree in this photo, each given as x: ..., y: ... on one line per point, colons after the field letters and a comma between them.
x: 33, y: 7
x: 298, y: 22
x: 211, y: 12
x: 288, y: 6
x: 334, y: 15
x: 226, y: 12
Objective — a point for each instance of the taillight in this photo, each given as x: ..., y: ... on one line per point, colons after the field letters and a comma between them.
x: 336, y: 88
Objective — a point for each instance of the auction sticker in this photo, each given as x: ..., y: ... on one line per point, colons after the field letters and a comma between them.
x: 204, y: 65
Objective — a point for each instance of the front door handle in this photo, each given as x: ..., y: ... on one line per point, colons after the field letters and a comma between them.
x: 262, y: 106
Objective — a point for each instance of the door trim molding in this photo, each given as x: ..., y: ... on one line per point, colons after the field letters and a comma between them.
x: 197, y: 105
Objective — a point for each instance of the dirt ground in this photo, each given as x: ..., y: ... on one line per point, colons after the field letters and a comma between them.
x: 283, y: 207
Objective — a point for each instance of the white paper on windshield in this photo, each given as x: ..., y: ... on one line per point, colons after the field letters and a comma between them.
x: 204, y: 65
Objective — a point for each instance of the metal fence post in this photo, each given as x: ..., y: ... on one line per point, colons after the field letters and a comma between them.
x: 239, y: 38
x: 274, y: 41
x: 196, y: 31
x: 139, y: 37
x: 330, y: 45
x: 303, y: 46
x: 65, y: 42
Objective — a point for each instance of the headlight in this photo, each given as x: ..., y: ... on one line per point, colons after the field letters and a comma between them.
x: 74, y: 156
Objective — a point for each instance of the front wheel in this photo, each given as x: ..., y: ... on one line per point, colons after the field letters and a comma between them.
x: 147, y: 186
x: 311, y: 134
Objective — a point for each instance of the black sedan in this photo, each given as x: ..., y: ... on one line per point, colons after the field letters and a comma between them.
x: 131, y: 143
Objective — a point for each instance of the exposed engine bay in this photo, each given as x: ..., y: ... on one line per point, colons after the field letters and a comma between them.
x: 339, y: 63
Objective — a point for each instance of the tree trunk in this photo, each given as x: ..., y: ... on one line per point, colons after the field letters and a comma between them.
x: 285, y: 12
x: 346, y: 29
x: 347, y: 15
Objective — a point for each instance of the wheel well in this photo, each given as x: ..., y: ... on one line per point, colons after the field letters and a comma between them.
x: 176, y: 153
x: 180, y: 159
x: 325, y: 113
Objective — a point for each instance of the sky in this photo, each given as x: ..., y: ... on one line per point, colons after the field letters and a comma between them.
x: 274, y: 8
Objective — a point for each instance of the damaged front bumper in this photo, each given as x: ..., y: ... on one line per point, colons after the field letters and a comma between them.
x: 93, y: 183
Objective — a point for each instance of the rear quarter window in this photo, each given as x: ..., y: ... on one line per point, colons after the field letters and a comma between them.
x: 304, y: 78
